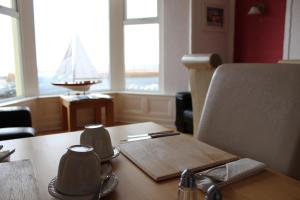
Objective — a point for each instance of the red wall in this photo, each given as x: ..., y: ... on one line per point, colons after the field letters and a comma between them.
x: 259, y: 38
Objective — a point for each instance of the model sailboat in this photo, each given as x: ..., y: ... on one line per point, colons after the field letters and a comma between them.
x: 76, y: 71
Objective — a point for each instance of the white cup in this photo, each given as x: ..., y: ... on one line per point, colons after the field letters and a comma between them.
x: 79, y: 171
x: 97, y: 137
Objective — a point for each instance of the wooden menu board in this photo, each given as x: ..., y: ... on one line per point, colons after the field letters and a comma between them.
x: 166, y: 157
x: 17, y: 181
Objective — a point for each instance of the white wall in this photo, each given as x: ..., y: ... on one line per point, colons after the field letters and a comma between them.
x: 208, y: 41
x: 292, y: 30
x: 176, y: 44
x: 180, y: 38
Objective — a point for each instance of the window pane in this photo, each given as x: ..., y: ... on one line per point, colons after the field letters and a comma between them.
x: 6, y: 3
x: 87, y: 20
x: 142, y: 57
x: 8, y: 56
x: 141, y: 8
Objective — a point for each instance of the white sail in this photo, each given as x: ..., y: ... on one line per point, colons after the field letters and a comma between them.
x: 65, y: 71
x: 76, y: 68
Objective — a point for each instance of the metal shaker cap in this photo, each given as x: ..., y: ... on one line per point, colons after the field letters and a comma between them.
x: 187, y: 179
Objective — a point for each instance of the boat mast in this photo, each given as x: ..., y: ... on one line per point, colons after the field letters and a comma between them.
x: 73, y: 57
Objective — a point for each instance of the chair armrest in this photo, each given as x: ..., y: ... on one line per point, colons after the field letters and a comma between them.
x: 16, y: 132
x: 15, y: 116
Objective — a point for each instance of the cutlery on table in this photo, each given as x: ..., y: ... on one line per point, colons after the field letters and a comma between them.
x: 149, y: 136
x: 7, y: 155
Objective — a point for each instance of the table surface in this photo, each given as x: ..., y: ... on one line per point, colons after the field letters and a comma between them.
x: 46, y: 151
x: 92, y: 96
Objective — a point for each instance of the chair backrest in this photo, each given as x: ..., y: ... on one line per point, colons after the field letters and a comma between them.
x: 253, y: 110
x: 15, y: 116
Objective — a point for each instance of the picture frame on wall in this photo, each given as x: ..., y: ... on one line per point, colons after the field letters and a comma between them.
x: 215, y: 16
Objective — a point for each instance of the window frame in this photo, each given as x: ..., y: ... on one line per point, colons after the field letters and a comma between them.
x: 13, y: 12
x: 144, y: 20
x: 141, y: 21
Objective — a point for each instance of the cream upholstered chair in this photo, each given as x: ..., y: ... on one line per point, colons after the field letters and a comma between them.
x: 253, y: 110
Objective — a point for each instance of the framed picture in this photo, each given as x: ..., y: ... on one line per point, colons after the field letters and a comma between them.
x: 215, y: 17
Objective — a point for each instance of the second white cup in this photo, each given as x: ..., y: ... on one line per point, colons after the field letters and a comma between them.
x: 98, y: 137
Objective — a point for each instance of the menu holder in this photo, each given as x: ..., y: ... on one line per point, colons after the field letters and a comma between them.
x: 166, y: 157
x: 17, y: 181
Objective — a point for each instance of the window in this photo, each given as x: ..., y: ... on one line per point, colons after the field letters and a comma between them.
x: 9, y: 50
x: 7, y: 4
x: 141, y: 45
x: 57, y: 23
x: 137, y: 9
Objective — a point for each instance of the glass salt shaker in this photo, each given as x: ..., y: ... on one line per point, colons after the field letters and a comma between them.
x: 187, y: 189
x: 213, y: 193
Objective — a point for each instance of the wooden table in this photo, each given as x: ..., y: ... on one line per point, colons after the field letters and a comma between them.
x: 45, y: 152
x: 70, y: 105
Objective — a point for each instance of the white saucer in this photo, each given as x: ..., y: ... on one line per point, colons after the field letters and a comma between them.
x: 116, y: 154
x: 107, y: 187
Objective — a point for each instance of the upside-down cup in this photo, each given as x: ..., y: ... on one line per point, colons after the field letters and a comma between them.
x: 79, y: 171
x: 98, y: 137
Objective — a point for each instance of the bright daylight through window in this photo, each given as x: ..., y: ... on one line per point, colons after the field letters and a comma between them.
x: 78, y: 28
x: 141, y: 45
x: 9, y: 50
